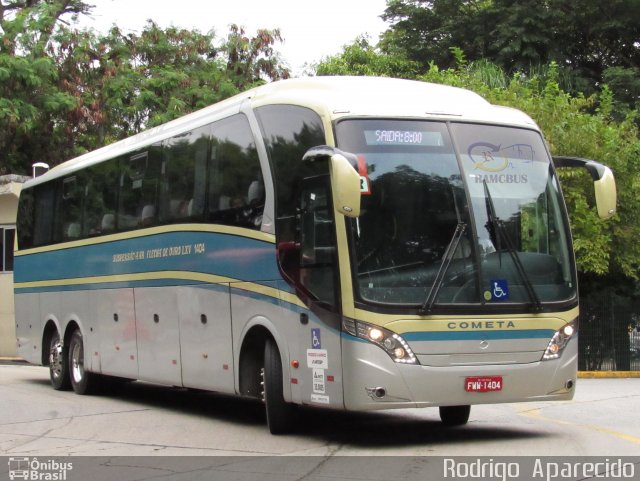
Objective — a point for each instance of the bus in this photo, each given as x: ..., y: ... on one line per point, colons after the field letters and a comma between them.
x: 339, y: 242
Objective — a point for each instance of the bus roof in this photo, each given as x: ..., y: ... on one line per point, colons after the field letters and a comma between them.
x: 333, y: 97
x: 383, y: 96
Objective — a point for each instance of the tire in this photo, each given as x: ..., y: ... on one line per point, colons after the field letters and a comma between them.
x: 82, y: 381
x: 280, y: 414
x: 58, y: 367
x: 454, y: 415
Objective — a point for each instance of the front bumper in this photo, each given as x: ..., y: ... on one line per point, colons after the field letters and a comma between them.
x: 367, y: 368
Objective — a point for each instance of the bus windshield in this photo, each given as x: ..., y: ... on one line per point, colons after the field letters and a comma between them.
x: 456, y: 214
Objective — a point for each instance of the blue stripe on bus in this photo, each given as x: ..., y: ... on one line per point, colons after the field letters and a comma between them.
x: 479, y: 335
x: 466, y: 336
x: 224, y: 255
x: 224, y: 287
x: 91, y: 286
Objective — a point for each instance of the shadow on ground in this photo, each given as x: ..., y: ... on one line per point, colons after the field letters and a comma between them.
x: 384, y: 429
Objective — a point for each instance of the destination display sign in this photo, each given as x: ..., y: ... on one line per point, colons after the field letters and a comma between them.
x: 403, y: 137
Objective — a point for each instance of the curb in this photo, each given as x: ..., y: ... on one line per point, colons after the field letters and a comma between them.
x: 12, y: 360
x: 608, y: 374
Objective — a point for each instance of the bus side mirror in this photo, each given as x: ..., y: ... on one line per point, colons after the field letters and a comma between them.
x: 603, y: 182
x: 345, y: 180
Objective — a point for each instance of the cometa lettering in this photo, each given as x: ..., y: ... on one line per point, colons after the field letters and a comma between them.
x: 481, y: 325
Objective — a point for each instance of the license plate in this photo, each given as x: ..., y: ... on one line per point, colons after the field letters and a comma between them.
x: 483, y: 384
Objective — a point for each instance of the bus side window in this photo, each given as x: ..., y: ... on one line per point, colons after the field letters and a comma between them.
x: 317, y: 239
x: 184, y: 164
x: 236, y: 188
x: 25, y: 218
x: 44, y: 214
x: 101, y: 199
x: 139, y: 186
x: 68, y: 211
x: 304, y: 243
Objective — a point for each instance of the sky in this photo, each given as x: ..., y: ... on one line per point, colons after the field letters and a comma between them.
x: 311, y: 29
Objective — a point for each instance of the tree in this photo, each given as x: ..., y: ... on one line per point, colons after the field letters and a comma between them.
x: 29, y: 24
x: 30, y: 97
x: 584, y: 37
x: 424, y: 31
x: 625, y: 85
x: 252, y: 60
x: 361, y: 58
x: 593, y: 36
x: 64, y: 91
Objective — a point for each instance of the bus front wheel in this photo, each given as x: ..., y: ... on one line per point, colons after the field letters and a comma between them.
x: 454, y: 415
x: 58, y: 369
x: 280, y: 414
x: 82, y: 381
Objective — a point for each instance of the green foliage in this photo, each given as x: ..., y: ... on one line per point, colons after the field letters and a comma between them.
x: 360, y: 58
x: 625, y: 83
x: 585, y: 37
x: 64, y: 92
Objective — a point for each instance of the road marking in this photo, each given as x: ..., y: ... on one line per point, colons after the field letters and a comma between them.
x: 535, y: 414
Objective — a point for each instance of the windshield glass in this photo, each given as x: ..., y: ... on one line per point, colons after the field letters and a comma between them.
x: 439, y: 229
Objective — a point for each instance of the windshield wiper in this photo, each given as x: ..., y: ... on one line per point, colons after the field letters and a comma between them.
x: 444, y: 266
x: 501, y: 232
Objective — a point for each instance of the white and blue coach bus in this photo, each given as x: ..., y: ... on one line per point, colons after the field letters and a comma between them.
x: 347, y: 243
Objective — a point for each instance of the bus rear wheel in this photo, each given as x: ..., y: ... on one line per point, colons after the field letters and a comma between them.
x: 280, y: 414
x: 82, y: 381
x: 454, y: 415
x: 58, y: 369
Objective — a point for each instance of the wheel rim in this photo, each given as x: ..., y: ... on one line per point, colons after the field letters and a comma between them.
x: 77, y: 363
x: 55, y: 359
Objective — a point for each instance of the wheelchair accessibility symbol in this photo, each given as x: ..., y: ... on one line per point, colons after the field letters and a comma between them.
x: 315, y: 339
x: 499, y: 290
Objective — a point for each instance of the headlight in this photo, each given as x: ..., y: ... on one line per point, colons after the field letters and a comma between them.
x: 560, y: 340
x: 390, y: 342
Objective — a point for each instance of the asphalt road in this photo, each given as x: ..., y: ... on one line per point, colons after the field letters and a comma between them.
x: 142, y: 419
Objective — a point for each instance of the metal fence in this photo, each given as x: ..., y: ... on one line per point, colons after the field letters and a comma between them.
x: 609, y: 333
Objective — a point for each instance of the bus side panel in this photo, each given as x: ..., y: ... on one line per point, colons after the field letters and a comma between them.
x: 158, y: 334
x: 29, y: 327
x: 320, y: 354
x: 115, y: 318
x: 50, y: 309
x: 205, y: 338
x: 71, y: 307
x: 302, y: 341
x: 251, y: 308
